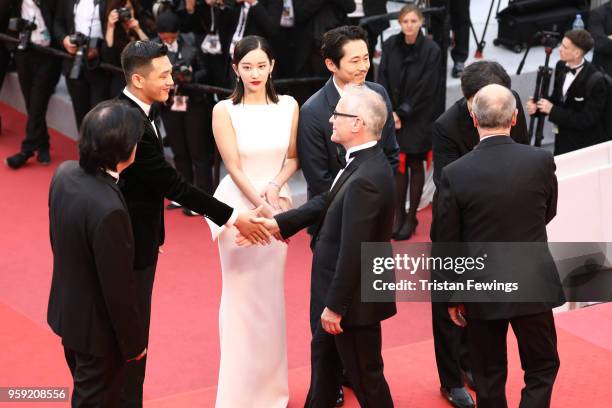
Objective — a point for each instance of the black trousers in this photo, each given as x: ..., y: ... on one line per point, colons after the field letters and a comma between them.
x: 91, y: 88
x: 460, y: 24
x: 450, y: 344
x: 131, y: 394
x: 358, y: 349
x: 191, y: 140
x: 537, y: 342
x: 97, y: 380
x: 38, y: 74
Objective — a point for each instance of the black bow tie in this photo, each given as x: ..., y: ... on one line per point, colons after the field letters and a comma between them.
x: 153, y: 112
x: 573, y: 70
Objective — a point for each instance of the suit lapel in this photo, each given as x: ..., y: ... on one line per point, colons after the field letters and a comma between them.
x: 149, y: 126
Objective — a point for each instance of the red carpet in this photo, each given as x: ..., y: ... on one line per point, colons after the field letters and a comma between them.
x: 183, y: 360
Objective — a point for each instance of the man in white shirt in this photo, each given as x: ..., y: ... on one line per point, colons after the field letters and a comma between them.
x: 578, y: 100
x: 38, y: 74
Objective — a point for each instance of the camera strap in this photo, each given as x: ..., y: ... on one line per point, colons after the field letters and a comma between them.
x: 240, y: 28
x: 211, y: 43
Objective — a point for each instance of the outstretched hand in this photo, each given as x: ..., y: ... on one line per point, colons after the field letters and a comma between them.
x: 270, y: 225
x: 251, y: 231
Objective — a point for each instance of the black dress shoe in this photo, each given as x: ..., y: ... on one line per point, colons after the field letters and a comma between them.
x: 407, y: 230
x: 173, y: 206
x: 43, y: 157
x: 399, y: 221
x: 468, y: 378
x: 458, y: 397
x: 17, y: 160
x: 189, y: 213
x: 340, y: 399
x: 457, y: 69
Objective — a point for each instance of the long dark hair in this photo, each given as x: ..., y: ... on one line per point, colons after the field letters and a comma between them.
x: 243, y: 47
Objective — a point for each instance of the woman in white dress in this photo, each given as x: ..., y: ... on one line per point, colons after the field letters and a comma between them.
x: 255, y: 130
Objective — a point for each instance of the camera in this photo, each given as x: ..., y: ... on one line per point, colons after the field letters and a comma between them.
x: 24, y: 28
x: 181, y: 73
x: 125, y: 14
x: 548, y: 39
x: 83, y: 44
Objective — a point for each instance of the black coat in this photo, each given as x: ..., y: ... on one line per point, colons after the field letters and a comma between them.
x: 318, y: 155
x: 501, y: 191
x: 600, y: 26
x: 92, y: 304
x: 145, y: 184
x: 48, y: 9
x: 358, y: 209
x: 579, y: 115
x: 411, y: 76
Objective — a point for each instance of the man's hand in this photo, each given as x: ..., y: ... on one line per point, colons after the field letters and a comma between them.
x: 140, y: 356
x: 457, y: 315
x: 70, y: 47
x: 253, y: 232
x: 331, y: 322
x: 544, y: 106
x: 532, y: 108
x: 270, y: 225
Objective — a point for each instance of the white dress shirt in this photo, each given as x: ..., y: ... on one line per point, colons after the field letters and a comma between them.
x: 349, y: 159
x: 86, y: 17
x: 31, y: 12
x: 172, y: 47
x: 569, y: 77
x: 146, y: 108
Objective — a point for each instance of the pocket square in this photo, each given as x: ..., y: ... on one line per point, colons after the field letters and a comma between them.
x: 579, y: 99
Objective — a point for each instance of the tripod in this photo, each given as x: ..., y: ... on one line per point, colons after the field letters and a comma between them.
x: 536, y: 123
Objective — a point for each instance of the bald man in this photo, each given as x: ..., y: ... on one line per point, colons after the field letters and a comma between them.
x: 502, y: 191
x: 358, y: 208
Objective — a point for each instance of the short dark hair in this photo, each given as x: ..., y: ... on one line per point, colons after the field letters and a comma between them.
x: 581, y: 39
x: 137, y: 57
x: 108, y: 135
x: 333, y: 41
x: 168, y: 22
x: 479, y: 74
x: 243, y: 47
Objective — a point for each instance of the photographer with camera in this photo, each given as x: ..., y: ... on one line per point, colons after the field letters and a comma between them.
x: 32, y: 21
x: 123, y: 25
x: 186, y: 115
x: 80, y: 25
x: 577, y: 103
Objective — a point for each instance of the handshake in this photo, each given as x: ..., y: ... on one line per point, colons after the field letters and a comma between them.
x: 255, y: 229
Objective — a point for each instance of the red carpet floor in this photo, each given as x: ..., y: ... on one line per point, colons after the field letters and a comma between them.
x: 183, y: 359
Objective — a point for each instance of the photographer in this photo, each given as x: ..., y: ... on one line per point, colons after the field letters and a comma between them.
x: 577, y: 103
x: 600, y: 26
x: 38, y: 74
x: 122, y: 26
x: 186, y: 115
x: 80, y: 25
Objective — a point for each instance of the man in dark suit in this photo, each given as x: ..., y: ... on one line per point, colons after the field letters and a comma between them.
x: 38, y: 74
x: 148, y: 73
x: 89, y: 18
x: 478, y: 202
x: 578, y: 101
x: 358, y: 208
x: 454, y: 135
x: 92, y: 305
x: 345, y: 50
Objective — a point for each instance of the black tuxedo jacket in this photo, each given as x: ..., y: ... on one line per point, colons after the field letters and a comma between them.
x: 579, y: 115
x: 92, y: 304
x: 358, y: 209
x: 318, y: 155
x: 145, y: 184
x: 48, y: 9
x: 501, y: 191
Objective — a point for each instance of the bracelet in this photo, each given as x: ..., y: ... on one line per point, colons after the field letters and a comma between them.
x: 275, y: 184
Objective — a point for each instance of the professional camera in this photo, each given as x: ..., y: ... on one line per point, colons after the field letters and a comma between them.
x: 24, y: 28
x: 548, y: 39
x: 83, y: 44
x: 125, y: 14
x: 181, y: 73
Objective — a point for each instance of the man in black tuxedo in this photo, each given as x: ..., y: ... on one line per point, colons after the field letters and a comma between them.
x: 578, y: 100
x: 148, y: 73
x: 358, y: 208
x: 478, y: 202
x: 38, y: 74
x: 92, y: 305
x: 454, y: 135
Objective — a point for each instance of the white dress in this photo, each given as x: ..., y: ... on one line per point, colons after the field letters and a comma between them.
x: 252, y: 327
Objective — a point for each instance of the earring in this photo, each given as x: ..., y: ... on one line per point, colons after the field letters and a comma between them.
x: 237, y: 79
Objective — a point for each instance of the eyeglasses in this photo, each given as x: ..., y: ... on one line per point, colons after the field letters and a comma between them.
x: 345, y: 115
